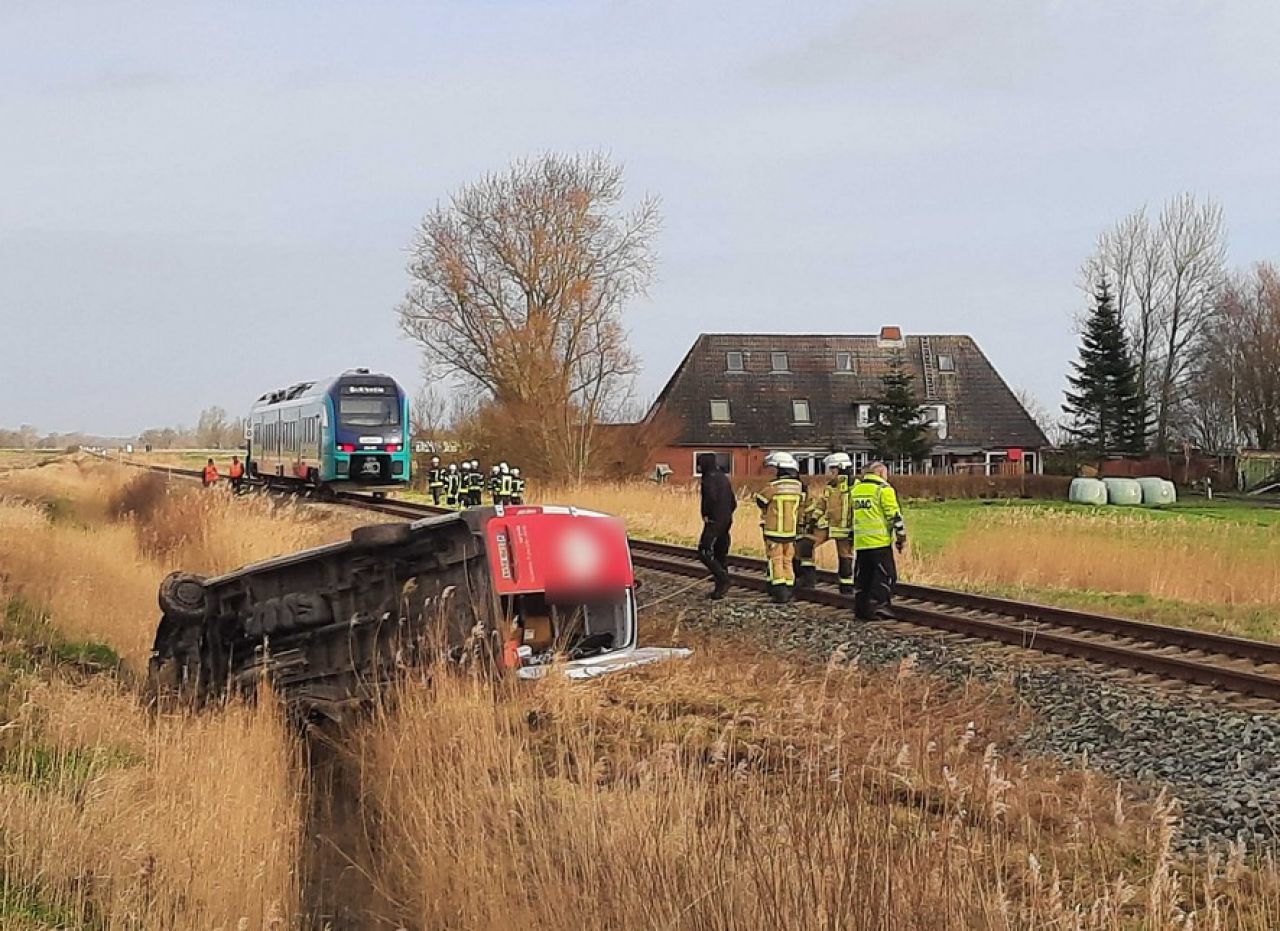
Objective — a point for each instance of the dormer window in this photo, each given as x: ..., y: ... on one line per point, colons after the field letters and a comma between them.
x: 891, y: 338
x: 844, y: 363
x: 778, y: 360
x: 734, y: 362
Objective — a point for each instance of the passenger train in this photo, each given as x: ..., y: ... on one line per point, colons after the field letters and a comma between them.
x: 351, y: 430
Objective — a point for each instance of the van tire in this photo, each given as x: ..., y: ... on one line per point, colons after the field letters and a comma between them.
x: 182, y: 597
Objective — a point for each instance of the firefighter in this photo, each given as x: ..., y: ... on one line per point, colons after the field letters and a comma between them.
x: 435, y: 480
x: 780, y: 503
x: 829, y: 516
x: 495, y: 484
x: 452, y: 486
x: 477, y: 484
x: 466, y: 483
x: 236, y: 474
x: 504, y: 484
x: 718, y: 505
x: 877, y: 529
x: 517, y: 487
x: 210, y: 474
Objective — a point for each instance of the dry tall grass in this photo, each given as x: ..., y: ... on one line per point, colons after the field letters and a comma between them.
x: 746, y: 792
x: 738, y: 790
x: 1193, y: 561
x: 111, y: 819
x: 114, y: 821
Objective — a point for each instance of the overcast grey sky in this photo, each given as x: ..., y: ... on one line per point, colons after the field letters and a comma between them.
x: 201, y: 200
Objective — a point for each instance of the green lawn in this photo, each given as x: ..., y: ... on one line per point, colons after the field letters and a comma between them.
x: 933, y: 525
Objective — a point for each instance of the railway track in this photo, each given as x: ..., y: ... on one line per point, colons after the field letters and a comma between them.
x: 1231, y: 664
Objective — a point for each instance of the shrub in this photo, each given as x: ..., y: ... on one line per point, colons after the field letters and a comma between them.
x: 140, y: 497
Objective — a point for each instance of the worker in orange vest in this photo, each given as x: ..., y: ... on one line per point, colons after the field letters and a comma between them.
x: 236, y: 474
x: 210, y: 474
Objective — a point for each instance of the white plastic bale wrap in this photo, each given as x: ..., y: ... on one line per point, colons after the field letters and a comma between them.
x: 1170, y: 490
x: 1123, y: 491
x: 1087, y: 491
x: 1156, y: 491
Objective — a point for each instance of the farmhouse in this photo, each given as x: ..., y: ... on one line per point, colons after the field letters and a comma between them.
x: 744, y: 395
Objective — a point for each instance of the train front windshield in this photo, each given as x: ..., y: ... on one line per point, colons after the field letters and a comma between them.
x: 369, y: 412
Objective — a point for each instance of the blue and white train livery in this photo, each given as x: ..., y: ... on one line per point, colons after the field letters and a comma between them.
x: 351, y: 430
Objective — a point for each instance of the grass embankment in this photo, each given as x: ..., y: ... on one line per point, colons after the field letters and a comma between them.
x: 1214, y: 566
x: 112, y: 817
x: 735, y: 790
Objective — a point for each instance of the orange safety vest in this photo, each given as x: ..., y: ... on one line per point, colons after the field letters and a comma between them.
x: 237, y: 469
x: 210, y: 474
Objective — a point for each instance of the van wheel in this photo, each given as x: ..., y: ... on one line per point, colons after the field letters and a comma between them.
x: 182, y: 597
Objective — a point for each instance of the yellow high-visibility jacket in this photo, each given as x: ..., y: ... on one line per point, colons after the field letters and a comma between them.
x: 877, y: 518
x: 780, y: 503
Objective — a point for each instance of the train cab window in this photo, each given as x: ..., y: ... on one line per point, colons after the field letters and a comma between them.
x: 369, y: 412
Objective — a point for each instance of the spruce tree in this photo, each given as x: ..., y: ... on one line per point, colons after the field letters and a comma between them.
x: 1105, y: 402
x: 897, y: 429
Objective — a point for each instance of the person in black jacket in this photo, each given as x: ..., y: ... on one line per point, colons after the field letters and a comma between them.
x: 718, y: 504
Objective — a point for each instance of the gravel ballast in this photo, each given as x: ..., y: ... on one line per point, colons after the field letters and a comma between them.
x: 1221, y: 762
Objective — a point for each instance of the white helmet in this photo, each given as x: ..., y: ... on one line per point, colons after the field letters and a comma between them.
x: 453, y: 467
x: 473, y: 463
x: 435, y: 460
x: 837, y: 461
x: 494, y: 470
x: 502, y: 467
x: 515, y: 472
x: 781, y: 460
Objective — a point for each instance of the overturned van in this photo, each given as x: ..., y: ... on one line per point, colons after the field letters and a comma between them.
x: 526, y: 589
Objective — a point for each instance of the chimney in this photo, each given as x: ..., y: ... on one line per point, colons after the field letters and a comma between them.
x: 891, y: 338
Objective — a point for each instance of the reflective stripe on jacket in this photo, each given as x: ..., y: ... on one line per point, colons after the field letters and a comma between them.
x: 877, y: 519
x: 780, y: 503
x: 435, y: 478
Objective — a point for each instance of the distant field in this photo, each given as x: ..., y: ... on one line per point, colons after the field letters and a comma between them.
x: 26, y: 458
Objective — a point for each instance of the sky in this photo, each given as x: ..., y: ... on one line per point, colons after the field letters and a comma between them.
x: 203, y: 200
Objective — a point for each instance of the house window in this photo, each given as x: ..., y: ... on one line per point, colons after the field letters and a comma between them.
x: 720, y: 412
x: 946, y: 364
x: 864, y: 415
x: 844, y: 363
x: 779, y: 361
x: 724, y: 462
x: 800, y: 411
x: 733, y: 362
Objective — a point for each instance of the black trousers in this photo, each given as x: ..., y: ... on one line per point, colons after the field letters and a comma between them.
x: 874, y: 575
x: 713, y: 550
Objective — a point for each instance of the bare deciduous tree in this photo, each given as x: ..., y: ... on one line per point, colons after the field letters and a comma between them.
x: 1166, y: 278
x: 518, y: 288
x: 1237, y: 401
x: 1051, y: 426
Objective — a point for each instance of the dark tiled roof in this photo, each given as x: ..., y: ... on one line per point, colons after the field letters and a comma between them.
x: 981, y: 411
